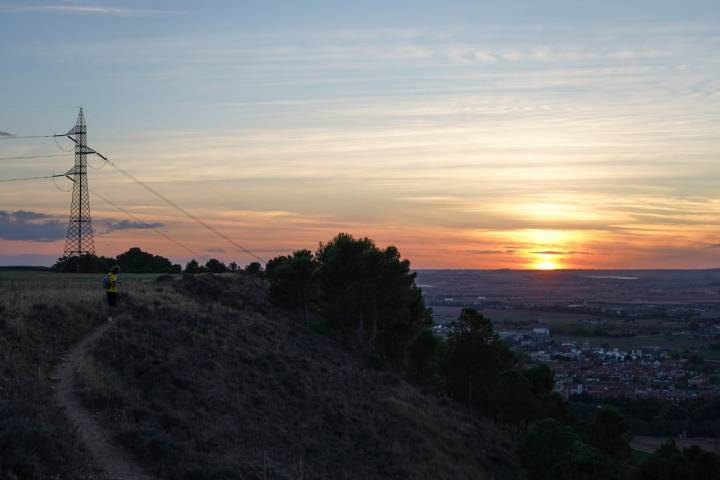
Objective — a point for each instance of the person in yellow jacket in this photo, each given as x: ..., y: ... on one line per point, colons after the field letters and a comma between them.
x: 111, y: 289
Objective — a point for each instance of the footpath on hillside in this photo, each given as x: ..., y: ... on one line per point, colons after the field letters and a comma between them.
x: 115, y: 461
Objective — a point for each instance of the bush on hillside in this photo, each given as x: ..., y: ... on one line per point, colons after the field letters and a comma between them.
x: 553, y: 451
x: 215, y: 266
x: 194, y: 267
x: 137, y: 261
x: 610, y: 432
x: 254, y: 268
x: 424, y: 356
x: 671, y: 463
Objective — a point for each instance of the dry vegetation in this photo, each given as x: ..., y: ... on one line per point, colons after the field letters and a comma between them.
x: 40, y: 317
x: 203, y: 379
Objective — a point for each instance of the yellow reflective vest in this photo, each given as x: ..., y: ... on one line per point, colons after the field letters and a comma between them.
x: 112, y: 283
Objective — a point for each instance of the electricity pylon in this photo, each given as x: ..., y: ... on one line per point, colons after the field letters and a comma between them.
x: 79, y: 239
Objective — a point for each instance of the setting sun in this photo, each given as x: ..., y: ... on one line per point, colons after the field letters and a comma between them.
x: 545, y: 265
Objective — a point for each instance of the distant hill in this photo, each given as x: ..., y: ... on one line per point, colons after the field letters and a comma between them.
x: 202, y: 378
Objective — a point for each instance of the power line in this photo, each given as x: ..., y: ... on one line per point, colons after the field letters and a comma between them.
x: 36, y: 156
x: 30, y: 178
x: 185, y: 212
x: 147, y: 225
x: 179, y: 208
x: 15, y: 137
x: 57, y: 144
x: 140, y: 183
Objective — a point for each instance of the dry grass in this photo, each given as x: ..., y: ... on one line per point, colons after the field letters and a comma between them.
x: 203, y: 379
x: 40, y: 317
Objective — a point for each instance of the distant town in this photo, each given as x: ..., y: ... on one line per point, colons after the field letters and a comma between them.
x: 639, y: 334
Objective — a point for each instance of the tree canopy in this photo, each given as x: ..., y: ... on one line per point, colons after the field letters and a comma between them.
x: 133, y: 261
x: 357, y: 288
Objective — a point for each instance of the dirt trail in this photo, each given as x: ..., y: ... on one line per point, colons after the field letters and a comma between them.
x: 115, y: 461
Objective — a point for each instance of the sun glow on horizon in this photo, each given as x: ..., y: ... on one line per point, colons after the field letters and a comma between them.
x: 545, y: 265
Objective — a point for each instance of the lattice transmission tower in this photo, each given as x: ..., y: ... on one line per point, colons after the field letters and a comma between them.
x: 79, y: 239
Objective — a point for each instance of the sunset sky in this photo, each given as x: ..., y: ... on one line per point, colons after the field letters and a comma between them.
x: 470, y: 134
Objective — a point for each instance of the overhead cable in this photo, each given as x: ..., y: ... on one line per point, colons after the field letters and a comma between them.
x: 16, y: 137
x: 179, y: 208
x: 22, y: 157
x: 147, y: 225
x: 30, y: 178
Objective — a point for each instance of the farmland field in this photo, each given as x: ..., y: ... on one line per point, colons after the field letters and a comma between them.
x: 509, y: 316
x: 650, y: 444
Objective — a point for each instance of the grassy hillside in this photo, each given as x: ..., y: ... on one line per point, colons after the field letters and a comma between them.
x: 40, y: 317
x: 203, y: 379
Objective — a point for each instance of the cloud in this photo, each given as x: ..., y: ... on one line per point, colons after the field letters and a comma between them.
x: 41, y: 227
x: 215, y: 250
x: 128, y: 225
x: 91, y: 10
x: 32, y: 226
x: 491, y: 252
x: 27, y: 216
x: 560, y: 252
x: 6, y: 134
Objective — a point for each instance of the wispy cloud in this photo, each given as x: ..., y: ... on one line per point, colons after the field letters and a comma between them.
x: 560, y: 252
x: 77, y: 9
x: 129, y: 225
x: 6, y: 134
x: 491, y: 252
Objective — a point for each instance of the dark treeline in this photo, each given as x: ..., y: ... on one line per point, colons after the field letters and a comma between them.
x: 216, y: 266
x: 132, y: 261
x: 698, y: 417
x: 368, y: 296
x: 137, y: 261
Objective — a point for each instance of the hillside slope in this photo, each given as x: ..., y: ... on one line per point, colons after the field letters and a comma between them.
x: 204, y: 379
x: 40, y: 319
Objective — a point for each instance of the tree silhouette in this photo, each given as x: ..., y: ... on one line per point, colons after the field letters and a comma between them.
x: 215, y: 266
x: 193, y: 267
x: 291, y: 280
x: 475, y: 359
x: 254, y: 268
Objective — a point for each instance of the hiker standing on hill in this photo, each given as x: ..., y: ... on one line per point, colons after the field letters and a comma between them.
x: 111, y: 283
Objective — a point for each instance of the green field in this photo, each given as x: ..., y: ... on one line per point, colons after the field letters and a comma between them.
x: 629, y: 343
x: 557, y: 320
x: 648, y: 444
x: 510, y: 316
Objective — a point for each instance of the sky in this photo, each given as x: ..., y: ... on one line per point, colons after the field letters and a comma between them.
x: 469, y: 134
